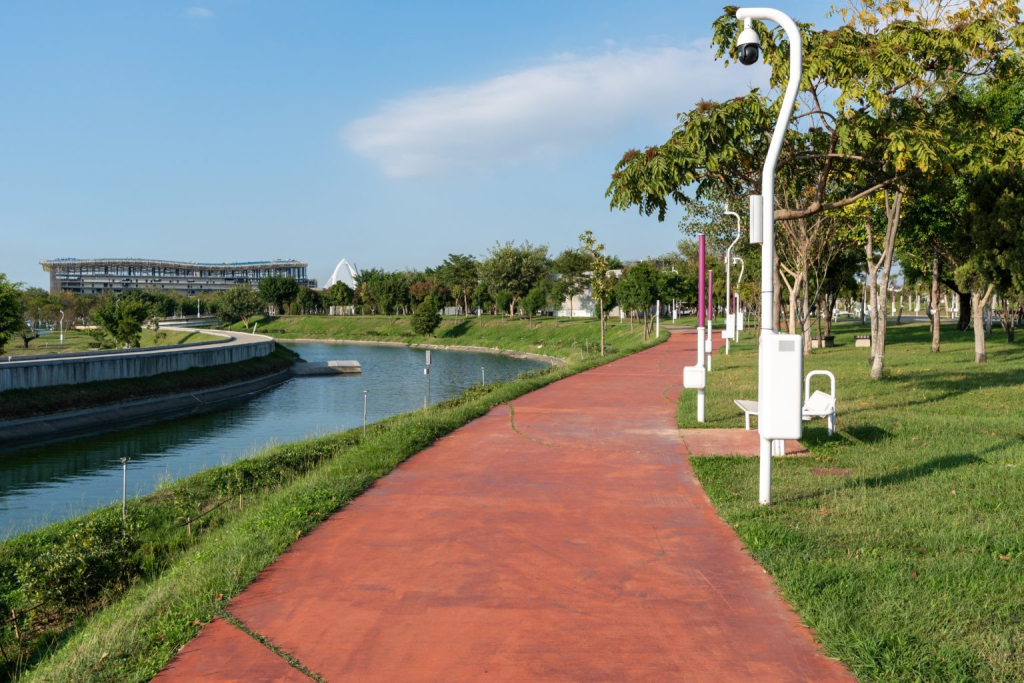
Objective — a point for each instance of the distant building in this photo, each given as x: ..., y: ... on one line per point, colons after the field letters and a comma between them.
x: 345, y: 272
x: 96, y: 276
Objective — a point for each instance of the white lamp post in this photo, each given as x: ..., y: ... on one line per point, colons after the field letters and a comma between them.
x: 780, y: 365
x: 730, y: 317
x: 736, y: 296
x: 62, y: 327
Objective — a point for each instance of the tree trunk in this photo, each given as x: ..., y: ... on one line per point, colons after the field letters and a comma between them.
x: 805, y: 313
x: 965, y: 311
x: 979, y: 299
x: 934, y: 302
x: 1008, y: 321
x: 878, y: 278
x: 777, y: 296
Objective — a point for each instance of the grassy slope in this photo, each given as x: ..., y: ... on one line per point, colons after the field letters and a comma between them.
x: 296, y: 487
x: 21, y: 403
x: 568, y: 340
x: 78, y: 340
x: 911, y: 567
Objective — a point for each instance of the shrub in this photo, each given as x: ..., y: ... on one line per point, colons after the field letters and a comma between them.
x: 427, y: 317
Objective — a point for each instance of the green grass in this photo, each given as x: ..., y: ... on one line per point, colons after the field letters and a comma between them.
x: 22, y: 403
x: 171, y: 583
x: 901, y: 540
x: 566, y: 339
x: 79, y: 340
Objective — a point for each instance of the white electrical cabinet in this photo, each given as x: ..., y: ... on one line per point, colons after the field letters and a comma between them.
x: 780, y: 391
x: 730, y: 325
x: 739, y: 320
x: 694, y: 377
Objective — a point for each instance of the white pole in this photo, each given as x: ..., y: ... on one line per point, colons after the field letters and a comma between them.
x: 483, y: 376
x: 768, y: 213
x: 124, y: 488
x: 62, y: 327
x: 364, y: 412
x: 728, y: 270
x: 657, y: 319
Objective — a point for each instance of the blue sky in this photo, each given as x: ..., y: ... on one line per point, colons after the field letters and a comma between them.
x: 388, y: 134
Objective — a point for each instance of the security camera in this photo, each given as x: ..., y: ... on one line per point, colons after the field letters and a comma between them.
x: 748, y: 43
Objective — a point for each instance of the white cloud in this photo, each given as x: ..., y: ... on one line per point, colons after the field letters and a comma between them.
x: 540, y: 113
x: 198, y: 13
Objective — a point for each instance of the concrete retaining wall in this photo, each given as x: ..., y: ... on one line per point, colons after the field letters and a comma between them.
x: 102, y: 366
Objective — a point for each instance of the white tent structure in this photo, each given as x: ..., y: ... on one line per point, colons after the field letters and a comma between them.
x: 344, y: 272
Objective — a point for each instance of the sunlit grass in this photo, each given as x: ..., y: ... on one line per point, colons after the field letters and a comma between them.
x: 900, y: 540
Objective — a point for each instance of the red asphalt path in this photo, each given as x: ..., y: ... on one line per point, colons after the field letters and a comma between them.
x: 566, y: 539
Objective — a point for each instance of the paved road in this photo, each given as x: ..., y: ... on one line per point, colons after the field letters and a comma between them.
x: 562, y: 539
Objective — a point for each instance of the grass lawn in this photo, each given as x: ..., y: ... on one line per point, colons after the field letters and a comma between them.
x: 901, y: 540
x: 79, y: 340
x: 566, y: 339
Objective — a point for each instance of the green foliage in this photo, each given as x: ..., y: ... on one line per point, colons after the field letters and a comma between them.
x: 278, y: 290
x: 460, y: 274
x: 572, y: 267
x: 121, y: 318
x: 513, y: 270
x: 11, y: 320
x: 535, y: 300
x: 638, y: 288
x: 427, y: 317
x: 240, y: 302
x: 996, y: 214
x: 90, y: 556
x: 339, y: 295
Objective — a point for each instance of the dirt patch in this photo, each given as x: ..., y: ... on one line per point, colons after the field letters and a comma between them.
x: 831, y: 472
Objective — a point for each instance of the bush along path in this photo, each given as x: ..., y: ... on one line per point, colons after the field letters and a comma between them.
x: 98, y: 599
x: 560, y: 537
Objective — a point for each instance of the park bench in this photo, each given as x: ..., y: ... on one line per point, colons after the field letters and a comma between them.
x: 816, y: 405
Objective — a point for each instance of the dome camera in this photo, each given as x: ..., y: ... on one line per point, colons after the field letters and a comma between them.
x: 748, y: 43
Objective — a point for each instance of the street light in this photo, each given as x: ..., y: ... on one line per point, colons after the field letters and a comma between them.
x: 62, y: 327
x: 737, y: 308
x: 780, y: 356
x: 730, y: 318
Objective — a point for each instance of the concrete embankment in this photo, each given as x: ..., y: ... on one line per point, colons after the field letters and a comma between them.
x: 99, y: 366
x: 61, y: 424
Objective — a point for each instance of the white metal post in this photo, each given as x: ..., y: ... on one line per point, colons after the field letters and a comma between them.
x: 365, y: 392
x: 728, y: 271
x: 657, y: 319
x: 62, y: 327
x: 768, y: 213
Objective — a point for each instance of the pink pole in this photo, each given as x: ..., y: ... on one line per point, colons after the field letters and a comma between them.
x: 700, y: 281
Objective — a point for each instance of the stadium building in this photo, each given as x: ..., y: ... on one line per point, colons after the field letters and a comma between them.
x: 96, y: 276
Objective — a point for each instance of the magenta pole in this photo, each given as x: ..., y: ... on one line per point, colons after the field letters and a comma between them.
x: 711, y: 294
x: 700, y: 281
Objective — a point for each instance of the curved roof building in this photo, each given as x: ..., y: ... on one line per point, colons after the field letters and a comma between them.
x: 344, y: 272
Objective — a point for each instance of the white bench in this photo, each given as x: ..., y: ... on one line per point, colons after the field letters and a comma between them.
x: 816, y: 405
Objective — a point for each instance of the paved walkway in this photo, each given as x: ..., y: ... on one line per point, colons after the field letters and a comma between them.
x: 566, y: 539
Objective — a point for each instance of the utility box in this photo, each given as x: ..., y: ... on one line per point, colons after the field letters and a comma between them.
x: 739, y: 319
x: 780, y: 396
x: 730, y: 326
x: 756, y: 218
x: 694, y: 377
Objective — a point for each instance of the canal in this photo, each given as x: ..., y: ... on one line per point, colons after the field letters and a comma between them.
x: 46, y: 482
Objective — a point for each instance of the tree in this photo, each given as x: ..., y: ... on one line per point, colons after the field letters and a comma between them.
x: 11, y: 314
x: 426, y: 318
x: 461, y: 274
x: 572, y: 266
x: 339, y: 294
x: 513, y: 270
x: 637, y: 291
x: 996, y: 212
x: 122, y: 318
x: 240, y: 302
x: 601, y: 285
x: 27, y: 334
x: 880, y: 107
x: 278, y: 290
x: 534, y: 300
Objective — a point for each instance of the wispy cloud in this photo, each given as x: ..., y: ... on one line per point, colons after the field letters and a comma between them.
x: 199, y: 13
x: 539, y: 113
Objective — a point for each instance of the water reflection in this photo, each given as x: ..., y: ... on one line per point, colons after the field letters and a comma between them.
x: 41, y: 483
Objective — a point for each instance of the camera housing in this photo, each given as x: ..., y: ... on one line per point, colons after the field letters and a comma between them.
x: 748, y: 44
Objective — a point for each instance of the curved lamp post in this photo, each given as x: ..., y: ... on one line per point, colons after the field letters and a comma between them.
x: 730, y: 318
x: 736, y: 296
x: 779, y: 355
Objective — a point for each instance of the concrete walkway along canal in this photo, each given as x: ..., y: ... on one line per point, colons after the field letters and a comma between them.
x: 562, y: 537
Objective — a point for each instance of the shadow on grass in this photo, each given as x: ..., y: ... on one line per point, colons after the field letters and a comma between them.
x: 457, y: 330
